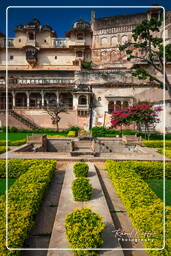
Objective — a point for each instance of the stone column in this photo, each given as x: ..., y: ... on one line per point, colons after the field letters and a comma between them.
x: 57, y: 97
x: 13, y: 99
x: 43, y: 99
x: 75, y: 101
x: 28, y: 99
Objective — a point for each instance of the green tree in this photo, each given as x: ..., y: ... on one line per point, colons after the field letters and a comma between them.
x: 150, y: 45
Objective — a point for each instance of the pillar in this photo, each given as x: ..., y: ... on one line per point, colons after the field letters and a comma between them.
x: 28, y: 99
x: 57, y: 97
x: 75, y: 101
x: 43, y: 99
x: 13, y: 99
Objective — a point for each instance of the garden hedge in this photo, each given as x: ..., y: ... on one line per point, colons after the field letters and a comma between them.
x: 81, y: 169
x: 71, y: 134
x: 13, y: 143
x: 147, y: 169
x: 81, y: 189
x: 156, y: 143
x: 3, y: 149
x: 142, y: 204
x: 84, y: 230
x: 24, y: 198
x: 167, y: 152
x: 16, y: 167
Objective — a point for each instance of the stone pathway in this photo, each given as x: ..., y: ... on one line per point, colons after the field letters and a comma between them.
x: 97, y: 204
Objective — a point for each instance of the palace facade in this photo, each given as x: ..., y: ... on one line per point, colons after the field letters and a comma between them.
x: 85, y: 71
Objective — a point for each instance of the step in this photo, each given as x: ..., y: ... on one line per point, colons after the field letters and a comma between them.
x: 97, y: 204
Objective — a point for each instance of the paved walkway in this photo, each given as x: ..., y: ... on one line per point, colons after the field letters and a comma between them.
x: 97, y: 203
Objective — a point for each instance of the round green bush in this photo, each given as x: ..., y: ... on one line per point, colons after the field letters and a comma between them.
x: 81, y: 189
x: 81, y: 169
x: 84, y: 230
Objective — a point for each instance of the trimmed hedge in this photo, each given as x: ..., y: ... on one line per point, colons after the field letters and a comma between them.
x: 24, y: 199
x: 16, y: 167
x: 71, y: 134
x: 156, y: 143
x: 13, y: 143
x: 84, y: 230
x: 148, y: 170
x: 167, y: 152
x: 81, y: 169
x: 142, y: 204
x: 81, y: 189
x: 3, y: 149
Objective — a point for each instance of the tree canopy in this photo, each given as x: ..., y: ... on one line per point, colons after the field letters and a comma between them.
x: 150, y: 47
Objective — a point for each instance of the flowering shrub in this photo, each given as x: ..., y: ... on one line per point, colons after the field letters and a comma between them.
x: 142, y: 114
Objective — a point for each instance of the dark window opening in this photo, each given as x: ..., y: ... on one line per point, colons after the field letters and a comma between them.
x: 82, y: 100
x: 11, y: 57
x: 19, y: 40
x: 31, y: 36
x: 55, y: 57
x: 80, y: 36
x: 79, y: 54
x: 110, y: 107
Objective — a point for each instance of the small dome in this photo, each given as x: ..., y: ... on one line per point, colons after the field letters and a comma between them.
x: 34, y: 22
x: 46, y: 27
x: 81, y: 24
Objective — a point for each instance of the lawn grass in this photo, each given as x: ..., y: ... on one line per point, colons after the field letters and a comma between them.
x: 157, y: 187
x: 13, y: 136
x: 3, y: 184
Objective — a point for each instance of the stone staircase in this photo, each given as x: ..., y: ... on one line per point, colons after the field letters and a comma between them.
x: 24, y: 120
x: 82, y: 147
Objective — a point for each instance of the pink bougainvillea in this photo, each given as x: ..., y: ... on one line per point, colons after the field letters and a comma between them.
x: 142, y: 114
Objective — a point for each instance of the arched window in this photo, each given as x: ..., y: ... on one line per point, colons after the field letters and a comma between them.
x: 124, y: 39
x: 21, y: 99
x: 80, y: 36
x: 31, y: 36
x: 82, y: 100
x: 104, y: 41
x: 114, y: 41
x: 110, y: 107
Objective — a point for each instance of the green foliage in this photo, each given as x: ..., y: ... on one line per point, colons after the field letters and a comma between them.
x: 101, y: 131
x: 86, y: 65
x: 3, y: 185
x: 71, y: 134
x: 24, y: 199
x: 84, y: 230
x: 143, y: 206
x: 13, y: 143
x: 156, y: 143
x: 81, y: 169
x: 17, y: 167
x: 81, y: 189
x: 167, y: 152
x: 3, y: 149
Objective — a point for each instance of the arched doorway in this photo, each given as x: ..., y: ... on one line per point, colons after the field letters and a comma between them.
x: 66, y: 99
x: 21, y: 99
x: 35, y: 100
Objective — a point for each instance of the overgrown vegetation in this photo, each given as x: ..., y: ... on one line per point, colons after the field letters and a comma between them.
x: 142, y: 204
x: 167, y: 152
x: 81, y: 189
x: 84, y: 230
x: 81, y: 169
x: 24, y: 198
